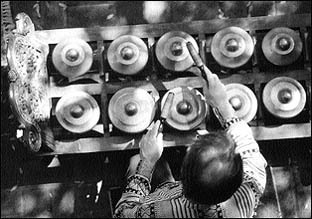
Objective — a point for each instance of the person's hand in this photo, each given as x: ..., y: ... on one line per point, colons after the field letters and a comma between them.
x: 216, y: 96
x: 151, y: 144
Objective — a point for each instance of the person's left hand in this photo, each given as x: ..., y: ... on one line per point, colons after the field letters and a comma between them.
x: 151, y: 144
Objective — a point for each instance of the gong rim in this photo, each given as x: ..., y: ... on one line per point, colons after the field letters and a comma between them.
x: 246, y: 99
x: 278, y: 56
x: 274, y: 104
x: 227, y: 58
x: 190, y: 120
x: 74, y: 120
x: 119, y: 63
x: 131, y: 109
x: 167, y: 59
x: 72, y: 57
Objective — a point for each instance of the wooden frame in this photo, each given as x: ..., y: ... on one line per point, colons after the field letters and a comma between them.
x: 202, y: 30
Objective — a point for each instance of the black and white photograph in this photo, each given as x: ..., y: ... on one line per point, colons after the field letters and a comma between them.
x: 155, y: 109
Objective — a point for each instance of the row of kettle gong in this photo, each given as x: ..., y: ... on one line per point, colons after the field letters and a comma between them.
x: 231, y: 47
x: 132, y: 109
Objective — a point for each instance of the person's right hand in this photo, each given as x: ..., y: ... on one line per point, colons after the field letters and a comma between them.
x: 216, y: 96
x: 151, y: 144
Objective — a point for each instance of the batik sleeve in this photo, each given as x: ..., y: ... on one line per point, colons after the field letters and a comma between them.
x: 138, y: 186
x: 245, y: 200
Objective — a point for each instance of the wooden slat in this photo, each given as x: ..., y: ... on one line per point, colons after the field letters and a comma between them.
x: 92, y: 89
x: 285, y: 131
x: 264, y: 77
x: 95, y: 89
x: 194, y: 27
x: 195, y: 82
x: 116, y: 143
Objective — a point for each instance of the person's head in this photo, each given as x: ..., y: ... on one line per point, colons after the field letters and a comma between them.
x: 211, y: 171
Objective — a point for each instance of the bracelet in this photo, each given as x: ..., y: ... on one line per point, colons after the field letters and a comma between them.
x: 230, y: 122
x: 225, y: 123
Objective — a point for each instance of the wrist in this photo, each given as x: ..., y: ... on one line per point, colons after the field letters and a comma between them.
x: 224, y: 114
x: 230, y: 122
x: 145, y: 168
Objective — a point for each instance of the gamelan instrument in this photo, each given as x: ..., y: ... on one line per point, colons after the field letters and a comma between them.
x: 72, y: 57
x: 172, y: 53
x: 243, y: 101
x: 188, y: 108
x: 127, y: 54
x: 284, y: 97
x: 282, y: 46
x: 232, y: 47
x: 77, y: 112
x: 132, y: 109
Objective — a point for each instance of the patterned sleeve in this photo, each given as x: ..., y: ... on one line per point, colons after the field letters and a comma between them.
x: 138, y: 186
x: 246, y: 198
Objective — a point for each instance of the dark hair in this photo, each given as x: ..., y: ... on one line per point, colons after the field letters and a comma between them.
x: 211, y: 171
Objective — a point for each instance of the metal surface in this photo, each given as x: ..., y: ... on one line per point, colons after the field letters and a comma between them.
x: 284, y: 97
x: 243, y: 101
x: 282, y: 46
x: 77, y: 112
x: 232, y: 47
x: 188, y: 108
x: 72, y: 57
x: 127, y: 55
x: 131, y: 109
x: 172, y: 53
